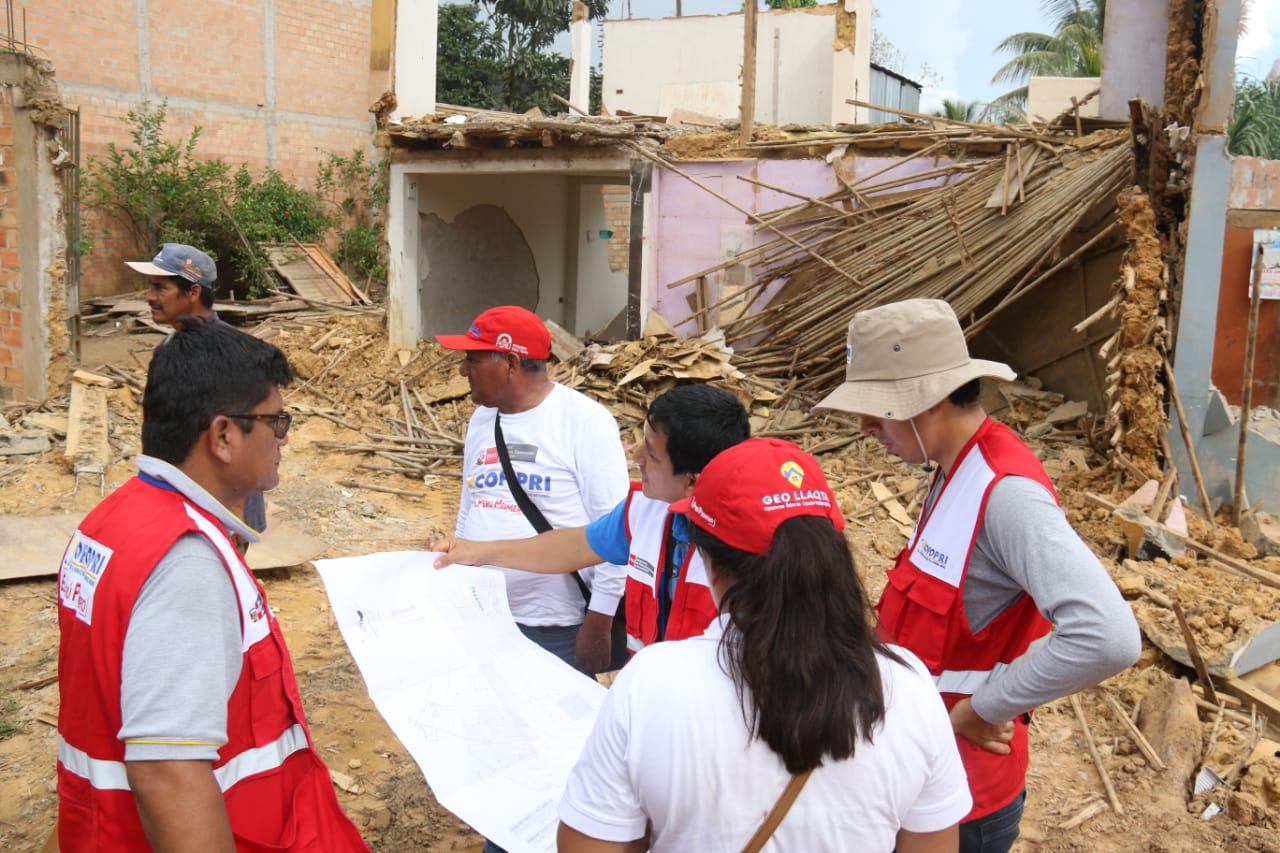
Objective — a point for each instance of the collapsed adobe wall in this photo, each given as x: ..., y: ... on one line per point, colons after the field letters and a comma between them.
x: 34, y: 338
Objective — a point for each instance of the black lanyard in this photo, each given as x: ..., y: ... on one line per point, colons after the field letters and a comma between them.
x: 668, y: 572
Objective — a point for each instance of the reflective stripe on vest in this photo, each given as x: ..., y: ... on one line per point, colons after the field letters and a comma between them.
x: 966, y: 681
x: 102, y: 775
x: 111, y: 775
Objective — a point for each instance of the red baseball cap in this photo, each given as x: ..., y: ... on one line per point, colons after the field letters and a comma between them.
x: 745, y: 492
x: 507, y: 328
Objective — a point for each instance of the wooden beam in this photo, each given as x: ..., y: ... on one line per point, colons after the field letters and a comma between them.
x: 748, y: 113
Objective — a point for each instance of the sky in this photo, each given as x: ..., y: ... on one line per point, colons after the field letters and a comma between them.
x: 956, y: 39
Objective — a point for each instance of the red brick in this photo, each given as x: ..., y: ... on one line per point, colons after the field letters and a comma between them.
x: 6, y: 356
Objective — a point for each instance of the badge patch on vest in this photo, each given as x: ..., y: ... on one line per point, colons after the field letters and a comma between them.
x: 639, y: 567
x: 82, y: 566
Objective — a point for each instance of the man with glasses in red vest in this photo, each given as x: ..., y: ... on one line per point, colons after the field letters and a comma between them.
x: 180, y: 725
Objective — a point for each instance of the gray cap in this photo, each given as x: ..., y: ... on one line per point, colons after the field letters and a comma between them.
x: 181, y: 260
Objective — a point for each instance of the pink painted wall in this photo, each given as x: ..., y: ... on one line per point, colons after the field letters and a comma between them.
x: 694, y: 230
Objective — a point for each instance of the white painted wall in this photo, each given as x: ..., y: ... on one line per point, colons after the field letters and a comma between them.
x: 1133, y: 55
x: 601, y: 292
x: 1049, y: 97
x: 580, y: 58
x: 414, y: 57
x: 653, y: 66
x: 538, y: 204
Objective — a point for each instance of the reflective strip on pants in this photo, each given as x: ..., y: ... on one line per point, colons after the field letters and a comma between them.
x: 106, y: 775
x: 966, y: 681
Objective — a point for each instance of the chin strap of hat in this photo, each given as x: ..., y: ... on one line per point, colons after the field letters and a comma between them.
x: 927, y: 465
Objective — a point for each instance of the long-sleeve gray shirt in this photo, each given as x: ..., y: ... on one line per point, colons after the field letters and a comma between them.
x: 1026, y: 546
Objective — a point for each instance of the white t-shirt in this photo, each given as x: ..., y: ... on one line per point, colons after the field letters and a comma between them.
x: 568, y: 454
x: 670, y: 745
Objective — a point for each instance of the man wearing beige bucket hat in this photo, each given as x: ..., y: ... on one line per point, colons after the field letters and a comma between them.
x: 994, y: 591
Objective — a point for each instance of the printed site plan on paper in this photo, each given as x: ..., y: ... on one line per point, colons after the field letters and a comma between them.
x: 494, y: 722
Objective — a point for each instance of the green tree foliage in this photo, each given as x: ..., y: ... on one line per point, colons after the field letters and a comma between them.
x: 168, y: 195
x: 960, y: 110
x: 790, y: 4
x: 1073, y: 49
x: 158, y: 185
x: 496, y: 54
x: 357, y: 189
x: 1254, y: 129
x: 467, y: 69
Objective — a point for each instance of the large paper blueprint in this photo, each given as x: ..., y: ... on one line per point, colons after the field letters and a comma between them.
x: 494, y: 722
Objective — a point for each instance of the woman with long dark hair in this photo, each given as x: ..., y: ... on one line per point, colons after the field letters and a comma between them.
x: 702, y: 743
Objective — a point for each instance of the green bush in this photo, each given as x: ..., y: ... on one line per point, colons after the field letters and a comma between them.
x: 356, y: 189
x: 168, y: 195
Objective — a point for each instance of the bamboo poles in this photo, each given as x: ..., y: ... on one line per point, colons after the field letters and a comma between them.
x: 942, y: 243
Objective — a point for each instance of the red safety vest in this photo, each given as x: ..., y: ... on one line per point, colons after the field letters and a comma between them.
x: 276, y: 787
x: 922, y: 606
x: 692, y: 607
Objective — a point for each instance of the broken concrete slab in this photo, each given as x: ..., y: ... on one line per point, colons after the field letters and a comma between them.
x: 48, y: 421
x: 24, y: 442
x: 1067, y: 412
x: 1262, y: 531
x: 33, y: 545
x: 1217, y: 453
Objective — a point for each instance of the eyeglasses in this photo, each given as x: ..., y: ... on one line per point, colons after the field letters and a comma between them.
x: 280, y: 421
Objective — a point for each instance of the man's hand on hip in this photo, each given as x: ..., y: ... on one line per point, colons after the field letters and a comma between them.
x: 993, y: 737
x: 591, y: 650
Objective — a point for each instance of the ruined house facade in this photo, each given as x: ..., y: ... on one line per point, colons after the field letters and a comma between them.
x: 272, y: 83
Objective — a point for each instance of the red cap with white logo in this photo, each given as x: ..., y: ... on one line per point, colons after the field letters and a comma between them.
x: 743, y: 494
x: 507, y: 328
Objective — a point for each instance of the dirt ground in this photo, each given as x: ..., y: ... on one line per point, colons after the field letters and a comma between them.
x: 1067, y: 806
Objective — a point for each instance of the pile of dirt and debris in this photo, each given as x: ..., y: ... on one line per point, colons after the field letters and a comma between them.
x: 371, y: 465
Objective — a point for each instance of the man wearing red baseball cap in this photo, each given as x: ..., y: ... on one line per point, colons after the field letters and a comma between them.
x: 788, y: 708
x: 667, y: 596
x: 566, y: 456
x: 994, y: 591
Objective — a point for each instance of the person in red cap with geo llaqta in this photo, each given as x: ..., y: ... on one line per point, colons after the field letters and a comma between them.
x: 994, y: 591
x: 788, y: 721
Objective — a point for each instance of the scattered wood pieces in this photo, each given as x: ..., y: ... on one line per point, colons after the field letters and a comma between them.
x: 1193, y: 649
x: 1112, y: 796
x: 1144, y: 745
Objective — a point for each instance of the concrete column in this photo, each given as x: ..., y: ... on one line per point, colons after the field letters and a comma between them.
x: 1134, y: 48
x: 580, y: 50
x: 851, y: 61
x: 1206, y: 227
x: 415, y: 57
x: 404, y: 305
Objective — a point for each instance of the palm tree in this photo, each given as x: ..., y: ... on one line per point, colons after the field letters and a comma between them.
x: 1254, y: 129
x: 1074, y: 49
x: 969, y: 111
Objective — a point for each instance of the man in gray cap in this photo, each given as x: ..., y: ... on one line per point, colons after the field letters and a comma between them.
x: 994, y: 591
x: 181, y: 283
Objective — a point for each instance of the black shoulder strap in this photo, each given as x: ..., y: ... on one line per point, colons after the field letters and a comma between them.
x: 526, y: 504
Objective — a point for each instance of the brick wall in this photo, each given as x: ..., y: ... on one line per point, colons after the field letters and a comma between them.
x: 617, y: 212
x: 11, y: 378
x: 272, y: 84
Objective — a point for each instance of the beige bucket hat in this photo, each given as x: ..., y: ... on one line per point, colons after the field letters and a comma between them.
x: 904, y: 358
